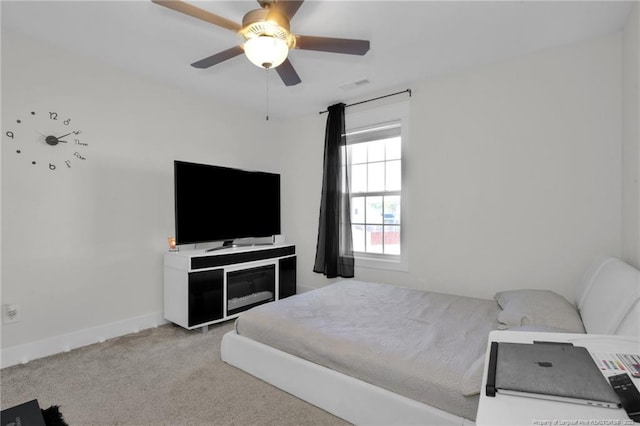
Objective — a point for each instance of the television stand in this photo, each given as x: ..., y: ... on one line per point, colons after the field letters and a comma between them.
x: 203, y: 288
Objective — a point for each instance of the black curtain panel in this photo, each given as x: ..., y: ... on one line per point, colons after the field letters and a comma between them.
x: 334, y: 251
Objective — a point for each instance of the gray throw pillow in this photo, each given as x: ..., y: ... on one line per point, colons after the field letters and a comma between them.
x: 538, y: 307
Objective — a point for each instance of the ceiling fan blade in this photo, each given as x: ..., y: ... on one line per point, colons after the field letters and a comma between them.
x: 198, y: 13
x: 287, y: 73
x: 287, y: 8
x: 335, y: 45
x: 218, y: 57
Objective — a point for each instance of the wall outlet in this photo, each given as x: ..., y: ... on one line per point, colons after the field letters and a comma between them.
x: 10, y: 313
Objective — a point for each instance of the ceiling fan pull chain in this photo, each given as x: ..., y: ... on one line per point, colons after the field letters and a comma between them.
x: 266, y: 73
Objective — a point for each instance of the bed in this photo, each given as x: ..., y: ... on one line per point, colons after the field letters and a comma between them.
x: 378, y: 354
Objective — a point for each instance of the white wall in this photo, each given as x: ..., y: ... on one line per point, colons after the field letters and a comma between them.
x: 83, y: 247
x: 515, y: 174
x: 631, y: 140
x: 304, y: 146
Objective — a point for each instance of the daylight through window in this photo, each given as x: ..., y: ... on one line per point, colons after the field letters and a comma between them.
x: 375, y: 183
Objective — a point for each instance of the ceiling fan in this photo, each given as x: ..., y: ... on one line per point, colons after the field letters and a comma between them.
x: 266, y: 38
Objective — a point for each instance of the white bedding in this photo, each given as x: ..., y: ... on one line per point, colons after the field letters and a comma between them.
x: 414, y: 343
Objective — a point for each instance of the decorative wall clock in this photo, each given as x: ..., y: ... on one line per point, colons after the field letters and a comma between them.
x: 46, y: 139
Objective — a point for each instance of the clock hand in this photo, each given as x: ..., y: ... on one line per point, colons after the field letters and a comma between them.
x: 52, y: 140
x: 60, y: 137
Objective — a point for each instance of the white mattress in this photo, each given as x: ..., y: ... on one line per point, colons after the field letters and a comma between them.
x: 414, y: 343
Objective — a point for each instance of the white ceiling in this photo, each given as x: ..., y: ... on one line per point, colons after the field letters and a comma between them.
x: 410, y: 41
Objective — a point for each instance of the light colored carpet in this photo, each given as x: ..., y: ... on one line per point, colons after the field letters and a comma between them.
x: 161, y: 376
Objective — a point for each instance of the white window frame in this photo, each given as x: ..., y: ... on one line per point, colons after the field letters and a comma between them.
x: 373, y: 117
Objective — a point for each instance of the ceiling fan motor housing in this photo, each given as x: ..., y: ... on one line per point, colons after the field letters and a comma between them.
x: 265, y: 22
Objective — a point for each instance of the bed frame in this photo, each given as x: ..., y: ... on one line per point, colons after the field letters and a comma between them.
x: 351, y: 399
x: 609, y: 303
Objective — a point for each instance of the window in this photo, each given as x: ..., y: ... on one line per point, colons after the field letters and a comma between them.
x: 375, y: 182
x: 375, y: 171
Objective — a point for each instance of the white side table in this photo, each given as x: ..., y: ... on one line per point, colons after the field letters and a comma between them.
x: 511, y: 410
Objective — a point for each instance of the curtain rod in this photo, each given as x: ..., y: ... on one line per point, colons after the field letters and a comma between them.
x: 374, y: 99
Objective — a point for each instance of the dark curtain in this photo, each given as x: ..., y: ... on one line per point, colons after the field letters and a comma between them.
x: 334, y: 250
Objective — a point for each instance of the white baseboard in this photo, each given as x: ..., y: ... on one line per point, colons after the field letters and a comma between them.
x: 22, y: 354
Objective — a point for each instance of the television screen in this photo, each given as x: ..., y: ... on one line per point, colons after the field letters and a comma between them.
x: 214, y: 203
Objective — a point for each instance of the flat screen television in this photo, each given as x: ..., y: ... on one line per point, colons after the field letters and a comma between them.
x: 214, y: 203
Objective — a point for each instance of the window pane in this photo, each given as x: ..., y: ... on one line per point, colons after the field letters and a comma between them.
x: 375, y: 167
x: 392, y: 209
x: 376, y: 151
x: 358, y: 235
x: 394, y: 148
x: 392, y: 239
x: 375, y: 177
x: 357, y: 210
x: 374, y: 209
x: 374, y: 239
x: 358, y: 153
x: 394, y: 175
x: 358, y: 178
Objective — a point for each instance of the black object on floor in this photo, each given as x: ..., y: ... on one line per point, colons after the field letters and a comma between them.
x: 53, y: 417
x: 28, y: 413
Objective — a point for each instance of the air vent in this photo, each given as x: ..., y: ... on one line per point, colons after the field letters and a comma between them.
x: 355, y: 84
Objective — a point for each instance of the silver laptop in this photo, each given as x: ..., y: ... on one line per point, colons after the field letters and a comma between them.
x: 552, y: 371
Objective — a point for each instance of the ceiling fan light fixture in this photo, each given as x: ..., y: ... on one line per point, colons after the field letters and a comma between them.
x: 266, y: 38
x: 266, y: 51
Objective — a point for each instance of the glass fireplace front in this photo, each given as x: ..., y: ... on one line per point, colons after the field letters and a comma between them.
x: 250, y: 287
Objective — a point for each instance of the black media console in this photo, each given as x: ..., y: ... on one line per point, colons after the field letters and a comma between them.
x: 202, y: 288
